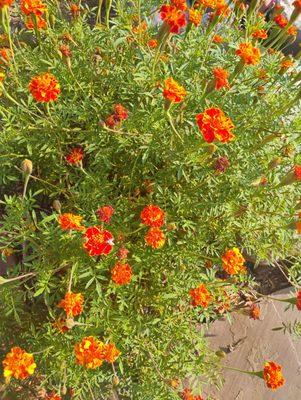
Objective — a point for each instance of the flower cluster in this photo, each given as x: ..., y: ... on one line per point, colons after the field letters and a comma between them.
x: 18, y: 364
x: 34, y: 10
x: 174, y: 17
x: 119, y: 114
x: 154, y: 217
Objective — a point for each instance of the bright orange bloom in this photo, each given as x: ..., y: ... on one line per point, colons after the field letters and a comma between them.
x: 72, y: 303
x: 121, y: 273
x: 53, y: 396
x: 297, y: 4
x: 139, y: 29
x: 36, y: 7
x: 75, y: 156
x: 195, y: 16
x: 221, y: 78
x: 280, y: 20
x: 206, y: 3
x: 44, y: 88
x: 200, y: 296
x: 75, y: 10
x: 187, y: 395
x: 152, y: 43
x: 173, y: 17
x: 286, y: 64
x: 217, y: 39
x: 272, y: 375
x: 233, y: 261
x: 298, y: 303
x: 152, y: 216
x: 260, y: 34
x: 155, y: 238
x: 179, y: 4
x: 214, y: 125
x: 6, y: 3
x: 297, y: 172
x: 254, y: 312
x: 18, y: 364
x: 120, y: 112
x: 111, y: 353
x: 4, y: 54
x: 105, y: 213
x: 69, y: 221
x: 173, y: 92
x: 98, y: 241
x: 30, y: 25
x: 90, y: 352
x: 292, y: 30
x: 248, y: 53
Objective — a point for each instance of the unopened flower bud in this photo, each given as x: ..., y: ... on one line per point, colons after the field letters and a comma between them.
x: 116, y: 380
x: 26, y: 166
x: 222, y: 164
x: 211, y: 148
x: 275, y: 162
x: 57, y: 206
x: 70, y: 323
x: 171, y: 226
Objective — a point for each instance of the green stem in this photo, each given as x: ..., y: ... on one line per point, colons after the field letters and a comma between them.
x: 172, y: 126
x: 98, y: 15
x: 108, y: 10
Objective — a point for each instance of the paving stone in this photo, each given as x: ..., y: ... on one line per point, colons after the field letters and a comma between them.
x: 249, y: 344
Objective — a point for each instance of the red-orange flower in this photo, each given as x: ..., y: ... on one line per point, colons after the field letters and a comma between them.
x: 72, y: 303
x: 111, y: 353
x: 214, y: 125
x: 30, y: 25
x: 155, y: 238
x: 6, y: 3
x: 173, y: 92
x: 217, y: 39
x: 254, y: 311
x: 292, y: 30
x: 286, y: 64
x: 221, y: 78
x: 75, y: 10
x: 44, y: 87
x: 260, y: 34
x: 248, y: 53
x: 36, y: 7
x: 298, y: 303
x: 69, y: 221
x: 233, y: 261
x: 195, y: 16
x: 75, y: 156
x: 179, y: 4
x: 98, y: 241
x: 121, y: 273
x: 105, y: 213
x: 200, y: 296
x: 152, y: 43
x: 90, y: 352
x: 18, y: 364
x: 297, y: 172
x: 272, y: 374
x: 120, y: 112
x: 297, y: 4
x: 4, y: 54
x: 152, y: 216
x: 280, y: 20
x: 53, y: 396
x: 187, y: 395
x: 173, y: 17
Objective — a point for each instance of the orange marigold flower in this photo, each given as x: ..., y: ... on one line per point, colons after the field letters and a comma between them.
x: 90, y: 352
x: 286, y: 64
x: 280, y: 20
x: 4, y: 54
x: 121, y: 273
x: 72, y: 303
x: 18, y: 364
x: 297, y: 4
x: 155, y: 238
x: 179, y: 4
x: 120, y: 112
x: 221, y: 78
x: 260, y: 34
x: 75, y: 156
x: 195, y: 16
x: 248, y: 53
x: 6, y: 3
x: 187, y: 394
x: 214, y: 125
x: 105, y: 213
x: 111, y: 353
x: 254, y: 312
x: 206, y: 3
x: 75, y: 10
x: 298, y: 303
x: 272, y: 374
x: 30, y: 25
x: 292, y: 30
x: 98, y: 241
x: 233, y: 261
x: 139, y: 29
x: 217, y: 39
x: 152, y: 43
x: 297, y: 172
x: 200, y: 296
x: 44, y: 88
x: 69, y: 221
x: 152, y: 216
x: 36, y: 7
x: 53, y: 396
x: 173, y: 92
x: 173, y: 17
